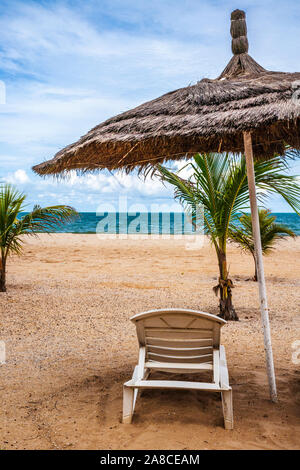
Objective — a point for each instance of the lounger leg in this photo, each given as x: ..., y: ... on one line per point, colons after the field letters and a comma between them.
x: 128, y: 398
x: 227, y: 409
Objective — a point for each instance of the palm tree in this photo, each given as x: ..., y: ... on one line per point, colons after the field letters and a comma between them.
x: 13, y: 227
x: 218, y: 184
x: 270, y: 233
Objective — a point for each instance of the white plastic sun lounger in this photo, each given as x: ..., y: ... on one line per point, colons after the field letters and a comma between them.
x: 181, y: 342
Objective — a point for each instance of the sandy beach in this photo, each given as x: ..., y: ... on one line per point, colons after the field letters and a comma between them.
x: 70, y: 346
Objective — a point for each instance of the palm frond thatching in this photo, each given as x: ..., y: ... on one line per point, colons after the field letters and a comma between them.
x: 209, y: 116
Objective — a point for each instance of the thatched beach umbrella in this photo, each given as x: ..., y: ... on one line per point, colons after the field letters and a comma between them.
x: 247, y: 109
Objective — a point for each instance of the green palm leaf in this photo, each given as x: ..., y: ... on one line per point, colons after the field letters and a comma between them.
x: 13, y: 227
x: 270, y: 232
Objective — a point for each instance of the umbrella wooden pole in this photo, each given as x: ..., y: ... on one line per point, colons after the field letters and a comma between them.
x: 260, y: 266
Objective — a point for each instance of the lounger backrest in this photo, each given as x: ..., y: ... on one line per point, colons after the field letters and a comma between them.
x: 178, y: 336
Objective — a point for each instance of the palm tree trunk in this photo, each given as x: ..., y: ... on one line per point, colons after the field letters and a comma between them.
x: 255, y: 264
x: 2, y: 274
x: 255, y: 275
x: 227, y: 310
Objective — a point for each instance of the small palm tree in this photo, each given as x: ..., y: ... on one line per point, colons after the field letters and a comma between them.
x: 218, y: 184
x: 270, y: 233
x: 13, y: 227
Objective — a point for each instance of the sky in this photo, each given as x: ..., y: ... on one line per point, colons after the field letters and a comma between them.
x: 66, y: 66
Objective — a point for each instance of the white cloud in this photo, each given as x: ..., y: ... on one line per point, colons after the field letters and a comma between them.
x: 88, y: 191
x: 106, y: 183
x: 18, y: 177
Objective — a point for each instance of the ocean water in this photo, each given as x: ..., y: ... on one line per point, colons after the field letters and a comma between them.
x: 148, y: 223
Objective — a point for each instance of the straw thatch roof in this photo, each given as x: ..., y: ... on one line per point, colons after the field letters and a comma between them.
x: 207, y: 116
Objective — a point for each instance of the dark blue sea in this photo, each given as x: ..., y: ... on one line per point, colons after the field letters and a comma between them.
x: 149, y: 223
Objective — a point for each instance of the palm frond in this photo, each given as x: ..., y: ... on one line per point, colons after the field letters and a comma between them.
x: 45, y: 219
x: 270, y: 232
x: 13, y: 227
